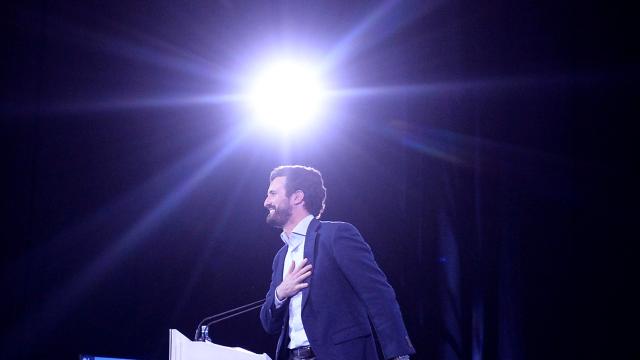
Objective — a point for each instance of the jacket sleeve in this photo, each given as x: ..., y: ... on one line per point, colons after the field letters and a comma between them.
x: 272, y: 318
x: 356, y: 261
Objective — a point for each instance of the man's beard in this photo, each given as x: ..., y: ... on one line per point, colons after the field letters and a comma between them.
x: 279, y: 217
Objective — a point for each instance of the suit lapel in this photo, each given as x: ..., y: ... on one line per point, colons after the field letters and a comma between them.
x: 282, y: 254
x: 309, y: 254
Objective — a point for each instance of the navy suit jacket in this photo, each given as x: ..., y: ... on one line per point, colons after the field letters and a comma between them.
x: 347, y: 292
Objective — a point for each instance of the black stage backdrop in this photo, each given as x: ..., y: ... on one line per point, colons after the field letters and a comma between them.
x: 486, y: 166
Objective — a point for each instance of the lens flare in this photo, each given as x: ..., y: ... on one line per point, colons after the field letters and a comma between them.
x: 287, y: 95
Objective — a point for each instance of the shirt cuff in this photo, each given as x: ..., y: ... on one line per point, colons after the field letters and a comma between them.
x: 277, y: 301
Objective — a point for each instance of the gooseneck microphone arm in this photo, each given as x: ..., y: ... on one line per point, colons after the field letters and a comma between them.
x: 203, y: 330
x: 236, y: 314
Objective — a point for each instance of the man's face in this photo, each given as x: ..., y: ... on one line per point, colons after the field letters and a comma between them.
x: 277, y: 203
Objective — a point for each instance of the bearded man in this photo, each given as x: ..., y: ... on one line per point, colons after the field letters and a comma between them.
x: 326, y: 288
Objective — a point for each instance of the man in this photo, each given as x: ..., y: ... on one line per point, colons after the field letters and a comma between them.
x: 326, y: 287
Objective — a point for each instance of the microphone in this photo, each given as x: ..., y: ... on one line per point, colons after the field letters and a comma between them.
x: 202, y: 331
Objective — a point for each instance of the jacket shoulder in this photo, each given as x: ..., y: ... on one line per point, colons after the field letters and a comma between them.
x: 335, y: 224
x: 333, y: 230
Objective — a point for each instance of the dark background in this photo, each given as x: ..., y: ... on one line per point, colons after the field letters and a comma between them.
x: 491, y: 173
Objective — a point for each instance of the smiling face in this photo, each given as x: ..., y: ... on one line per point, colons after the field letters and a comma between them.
x: 278, y: 204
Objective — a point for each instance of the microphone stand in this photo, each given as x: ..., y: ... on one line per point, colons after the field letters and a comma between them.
x: 202, y: 331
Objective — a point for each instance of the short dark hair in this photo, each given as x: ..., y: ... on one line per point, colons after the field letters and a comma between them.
x: 306, y: 179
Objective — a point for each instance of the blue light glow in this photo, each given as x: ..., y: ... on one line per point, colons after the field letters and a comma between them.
x: 286, y: 95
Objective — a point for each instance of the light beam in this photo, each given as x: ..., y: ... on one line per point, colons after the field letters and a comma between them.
x: 287, y: 95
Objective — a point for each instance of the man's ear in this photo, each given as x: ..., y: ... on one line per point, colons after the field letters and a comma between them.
x: 298, y: 197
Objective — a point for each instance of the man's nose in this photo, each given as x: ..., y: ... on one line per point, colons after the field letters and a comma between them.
x: 266, y: 202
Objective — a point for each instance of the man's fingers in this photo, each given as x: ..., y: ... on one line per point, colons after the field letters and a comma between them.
x: 304, y: 276
x: 303, y: 269
x: 304, y: 261
x: 294, y: 268
x: 301, y: 286
x: 299, y: 276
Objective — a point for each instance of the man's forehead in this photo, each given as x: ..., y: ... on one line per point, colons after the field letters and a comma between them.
x: 277, y: 183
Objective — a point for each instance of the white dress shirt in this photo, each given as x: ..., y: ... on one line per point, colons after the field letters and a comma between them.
x: 295, y: 252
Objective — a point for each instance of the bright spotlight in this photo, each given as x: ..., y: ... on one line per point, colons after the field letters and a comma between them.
x: 287, y: 95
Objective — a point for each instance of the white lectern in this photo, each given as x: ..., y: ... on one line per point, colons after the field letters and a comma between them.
x: 181, y: 348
